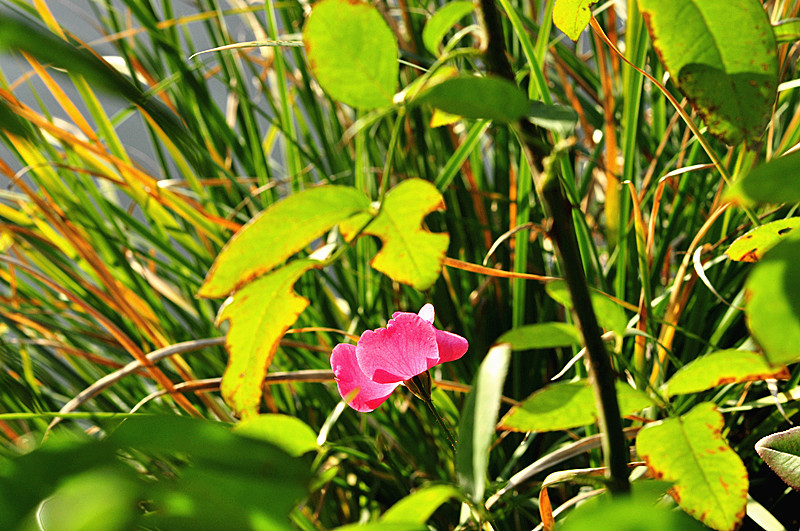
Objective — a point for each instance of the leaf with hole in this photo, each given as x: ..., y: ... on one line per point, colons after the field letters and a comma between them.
x: 721, y: 368
x: 279, y: 232
x: 259, y: 314
x: 751, y: 247
x: 723, y: 57
x: 352, y: 53
x: 710, y: 481
x: 562, y: 406
x: 410, y: 254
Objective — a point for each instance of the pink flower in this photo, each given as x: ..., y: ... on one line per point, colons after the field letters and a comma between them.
x: 386, y: 357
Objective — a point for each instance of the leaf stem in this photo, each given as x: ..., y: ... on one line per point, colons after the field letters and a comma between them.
x: 440, y: 421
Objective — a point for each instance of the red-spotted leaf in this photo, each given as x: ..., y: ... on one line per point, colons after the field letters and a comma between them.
x: 567, y: 405
x: 751, y: 247
x: 259, y: 315
x: 279, y: 232
x: 572, y: 16
x: 722, y: 55
x: 720, y: 368
x: 352, y: 53
x: 710, y: 481
x: 410, y: 254
x: 781, y: 451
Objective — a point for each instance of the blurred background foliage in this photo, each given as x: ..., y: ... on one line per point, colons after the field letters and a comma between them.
x: 127, y: 165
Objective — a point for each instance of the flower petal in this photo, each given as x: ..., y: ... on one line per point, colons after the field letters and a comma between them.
x: 405, y: 348
x: 451, y: 346
x: 349, y: 377
x: 427, y: 313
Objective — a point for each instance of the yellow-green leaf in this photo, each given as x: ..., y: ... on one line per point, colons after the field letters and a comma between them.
x: 288, y: 433
x: 542, y: 335
x: 259, y: 314
x: 410, y: 254
x: 720, y: 368
x: 710, y: 480
x: 751, y: 246
x: 567, y: 405
x: 352, y: 53
x: 277, y: 233
x: 610, y: 315
x: 572, y: 16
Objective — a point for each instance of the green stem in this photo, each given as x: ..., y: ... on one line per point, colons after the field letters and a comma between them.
x: 440, y: 421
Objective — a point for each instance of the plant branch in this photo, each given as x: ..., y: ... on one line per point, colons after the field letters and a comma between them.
x: 562, y: 232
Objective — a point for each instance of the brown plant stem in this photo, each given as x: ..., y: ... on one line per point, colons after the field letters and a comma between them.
x: 562, y: 232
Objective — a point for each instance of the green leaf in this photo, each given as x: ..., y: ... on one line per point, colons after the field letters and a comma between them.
x: 559, y: 118
x: 277, y: 233
x: 773, y: 182
x: 290, y: 434
x: 416, y: 508
x: 710, y: 480
x: 381, y: 526
x: 723, y: 57
x: 352, y: 53
x: 259, y: 315
x: 610, y: 315
x: 628, y: 513
x: 751, y: 246
x: 772, y: 292
x: 720, y: 368
x: 572, y: 16
x: 781, y: 451
x: 542, y: 335
x: 478, y: 420
x: 443, y: 21
x: 491, y: 98
x: 562, y: 406
x: 787, y: 30
x: 410, y: 254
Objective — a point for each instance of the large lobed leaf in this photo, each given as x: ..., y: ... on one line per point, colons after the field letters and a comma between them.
x: 352, y: 53
x: 710, y: 480
x: 722, y: 55
x: 277, y: 233
x: 259, y: 315
x: 410, y: 254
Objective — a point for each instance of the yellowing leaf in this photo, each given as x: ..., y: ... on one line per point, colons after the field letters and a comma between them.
x: 277, y: 233
x: 720, y: 368
x: 710, y: 480
x: 259, y: 314
x: 572, y: 16
x: 410, y: 254
x: 567, y: 405
x: 751, y: 247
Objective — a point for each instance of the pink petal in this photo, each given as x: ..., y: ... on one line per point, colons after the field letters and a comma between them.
x: 405, y: 348
x: 427, y: 313
x: 451, y: 346
x: 349, y: 377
